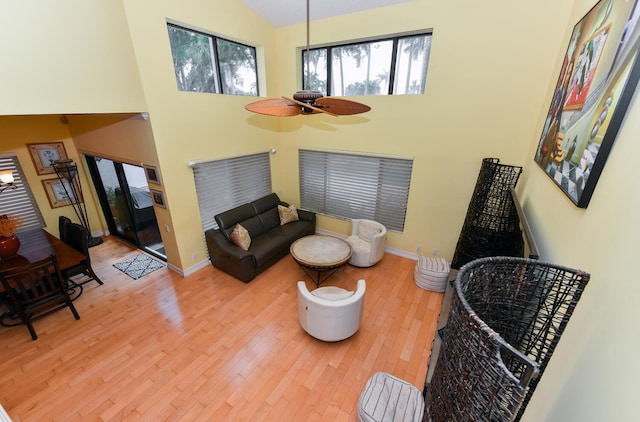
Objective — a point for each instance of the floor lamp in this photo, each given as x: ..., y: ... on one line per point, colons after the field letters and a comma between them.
x: 67, y: 173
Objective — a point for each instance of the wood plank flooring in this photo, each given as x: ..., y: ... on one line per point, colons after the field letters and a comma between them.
x: 209, y: 347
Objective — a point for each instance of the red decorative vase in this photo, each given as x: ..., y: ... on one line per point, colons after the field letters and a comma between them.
x: 9, y: 246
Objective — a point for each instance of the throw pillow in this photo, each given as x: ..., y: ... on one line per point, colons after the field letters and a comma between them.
x: 240, y: 237
x: 287, y: 214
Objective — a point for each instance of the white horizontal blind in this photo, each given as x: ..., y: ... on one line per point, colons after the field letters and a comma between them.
x: 19, y: 201
x: 225, y: 184
x: 347, y: 185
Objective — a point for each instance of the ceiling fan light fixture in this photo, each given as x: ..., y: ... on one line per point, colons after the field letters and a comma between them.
x: 308, y: 96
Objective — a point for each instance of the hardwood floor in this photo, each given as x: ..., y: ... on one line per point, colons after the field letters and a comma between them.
x: 209, y: 347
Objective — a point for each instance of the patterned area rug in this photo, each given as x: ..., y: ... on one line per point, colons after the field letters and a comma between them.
x: 139, y: 266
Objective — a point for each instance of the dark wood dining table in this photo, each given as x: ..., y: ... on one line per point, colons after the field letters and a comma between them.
x: 38, y: 244
x: 35, y: 245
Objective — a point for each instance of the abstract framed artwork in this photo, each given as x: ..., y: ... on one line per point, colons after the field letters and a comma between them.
x: 599, y: 74
x: 158, y: 198
x: 43, y: 156
x: 58, y: 194
x: 152, y: 173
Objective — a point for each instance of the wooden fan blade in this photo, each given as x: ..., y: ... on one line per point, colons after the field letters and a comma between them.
x: 275, y: 107
x: 341, y: 106
x: 315, y: 109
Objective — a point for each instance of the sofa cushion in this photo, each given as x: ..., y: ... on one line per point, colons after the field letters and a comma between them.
x: 358, y: 244
x: 240, y: 237
x: 265, y: 203
x: 296, y: 230
x: 266, y: 247
x: 228, y: 219
x: 287, y: 214
x: 270, y: 219
x: 254, y: 226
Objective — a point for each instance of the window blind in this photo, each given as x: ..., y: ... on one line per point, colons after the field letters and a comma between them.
x: 225, y: 184
x: 19, y: 201
x: 348, y: 185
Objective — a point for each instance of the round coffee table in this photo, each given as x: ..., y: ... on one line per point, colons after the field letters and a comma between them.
x: 322, y: 254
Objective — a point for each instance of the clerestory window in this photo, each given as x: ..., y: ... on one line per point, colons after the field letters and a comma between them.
x: 390, y: 66
x: 205, y: 63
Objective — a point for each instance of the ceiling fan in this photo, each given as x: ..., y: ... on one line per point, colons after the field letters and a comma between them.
x: 307, y: 101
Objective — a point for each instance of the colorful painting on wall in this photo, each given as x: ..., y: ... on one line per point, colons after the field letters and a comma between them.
x: 599, y: 75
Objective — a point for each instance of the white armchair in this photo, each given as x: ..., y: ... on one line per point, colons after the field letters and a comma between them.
x: 330, y: 313
x: 367, y: 242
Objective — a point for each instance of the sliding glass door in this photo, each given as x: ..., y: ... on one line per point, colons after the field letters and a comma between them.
x: 126, y: 203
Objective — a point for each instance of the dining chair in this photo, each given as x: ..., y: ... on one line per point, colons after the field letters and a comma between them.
x: 63, y: 222
x: 36, y: 290
x: 77, y: 236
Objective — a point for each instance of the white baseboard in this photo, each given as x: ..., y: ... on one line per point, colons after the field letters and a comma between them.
x: 100, y: 233
x: 192, y: 269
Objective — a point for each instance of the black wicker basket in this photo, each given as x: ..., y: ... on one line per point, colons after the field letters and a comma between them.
x: 507, y: 316
x: 491, y: 226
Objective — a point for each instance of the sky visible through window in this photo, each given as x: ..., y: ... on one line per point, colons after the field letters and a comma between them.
x: 366, y: 68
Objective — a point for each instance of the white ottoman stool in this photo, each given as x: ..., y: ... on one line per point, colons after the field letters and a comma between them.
x: 386, y: 398
x: 432, y: 273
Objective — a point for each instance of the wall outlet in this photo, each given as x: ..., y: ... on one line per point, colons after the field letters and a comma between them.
x: 418, y: 248
x: 434, y: 252
x: 166, y: 227
x: 194, y: 256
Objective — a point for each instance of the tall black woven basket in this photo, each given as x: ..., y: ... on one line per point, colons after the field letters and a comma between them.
x: 507, y: 316
x: 492, y: 226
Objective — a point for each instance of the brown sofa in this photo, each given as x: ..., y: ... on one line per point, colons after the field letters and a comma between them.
x: 270, y: 241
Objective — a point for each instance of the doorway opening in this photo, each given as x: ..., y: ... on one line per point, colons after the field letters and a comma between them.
x: 126, y: 203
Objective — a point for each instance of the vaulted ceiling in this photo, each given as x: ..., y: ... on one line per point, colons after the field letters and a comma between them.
x: 289, y: 12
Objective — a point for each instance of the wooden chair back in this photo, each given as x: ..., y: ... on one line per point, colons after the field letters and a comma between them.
x: 36, y: 290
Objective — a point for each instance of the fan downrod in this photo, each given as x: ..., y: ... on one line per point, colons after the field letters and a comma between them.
x: 305, y: 101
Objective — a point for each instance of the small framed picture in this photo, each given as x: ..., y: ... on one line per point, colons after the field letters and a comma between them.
x: 158, y: 198
x: 43, y: 156
x: 59, y: 194
x: 153, y: 174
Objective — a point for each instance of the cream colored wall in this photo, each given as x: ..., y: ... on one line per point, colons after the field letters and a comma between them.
x: 18, y: 131
x: 593, y: 373
x: 477, y: 105
x: 63, y: 57
x: 67, y: 56
x: 195, y: 126
x: 489, y: 67
x: 492, y: 71
x: 124, y: 137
